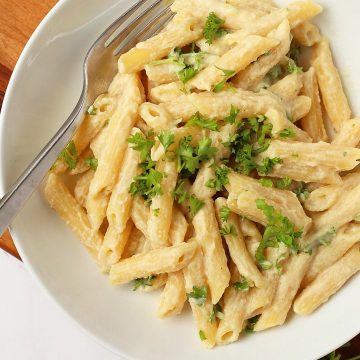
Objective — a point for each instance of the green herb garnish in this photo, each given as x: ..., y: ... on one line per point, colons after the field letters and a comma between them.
x: 143, y: 282
x: 228, y: 229
x: 199, y: 120
x: 91, y: 163
x: 92, y: 110
x: 141, y: 144
x: 202, y: 335
x: 195, y: 205
x: 70, y: 155
x: 227, y: 74
x: 213, y: 28
x: 216, y: 312
x: 266, y: 182
x: 221, y: 178
x: 283, y: 183
x: 166, y: 138
x: 242, y: 285
x: 287, y: 133
x: 231, y: 118
x: 224, y: 213
x: 249, y: 329
x: 198, y: 295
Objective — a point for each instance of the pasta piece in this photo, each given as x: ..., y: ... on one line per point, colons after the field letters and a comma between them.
x: 135, y: 244
x: 82, y: 187
x: 328, y: 282
x: 333, y: 96
x: 306, y: 33
x: 158, y: 282
x: 173, y: 297
x: 234, y: 312
x: 302, y: 10
x: 312, y: 122
x: 255, y: 72
x: 234, y: 18
x: 159, y: 221
x: 349, y: 133
x: 111, y: 155
x: 237, y: 247
x: 289, y: 282
x: 140, y: 214
x: 178, y: 33
x: 60, y: 199
x: 166, y: 92
x: 342, y: 212
x: 156, y: 117
x: 323, y: 198
x: 162, y: 73
x: 299, y: 107
x: 235, y: 60
x: 244, y: 191
x: 119, y: 209
x: 258, y: 6
x: 340, y: 158
x: 346, y: 237
x: 154, y: 262
x: 288, y: 88
x: 195, y: 278
x: 215, y: 261
x: 310, y: 174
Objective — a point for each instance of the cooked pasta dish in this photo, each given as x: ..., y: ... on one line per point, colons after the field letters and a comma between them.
x: 221, y: 168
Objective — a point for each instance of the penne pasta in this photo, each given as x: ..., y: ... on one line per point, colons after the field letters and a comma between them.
x: 348, y: 134
x: 306, y: 33
x: 154, y: 262
x: 328, y: 282
x: 81, y: 189
x: 288, y: 88
x: 302, y: 10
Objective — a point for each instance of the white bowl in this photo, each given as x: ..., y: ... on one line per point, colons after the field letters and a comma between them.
x: 42, y: 92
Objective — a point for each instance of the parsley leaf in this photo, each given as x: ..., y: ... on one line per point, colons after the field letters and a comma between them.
x: 287, y: 133
x: 224, y: 213
x: 141, y: 144
x: 242, y: 285
x: 70, y: 155
x: 195, y: 205
x: 143, y: 282
x: 202, y: 335
x: 148, y: 184
x: 189, y: 158
x: 293, y: 68
x: 166, y: 138
x: 216, y: 312
x: 228, y: 229
x: 199, y: 120
x: 234, y: 111
x: 227, y: 74
x: 266, y: 182
x: 213, y: 28
x: 92, y: 110
x: 221, y: 178
x: 301, y: 192
x: 156, y: 212
x: 187, y: 74
x: 278, y: 230
x: 179, y: 194
x: 198, y: 295
x: 283, y: 182
x: 92, y: 163
x: 249, y: 329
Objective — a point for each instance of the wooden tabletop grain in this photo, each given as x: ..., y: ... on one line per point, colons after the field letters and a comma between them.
x: 18, y: 20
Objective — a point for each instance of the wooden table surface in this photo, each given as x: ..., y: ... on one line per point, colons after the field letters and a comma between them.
x: 18, y: 20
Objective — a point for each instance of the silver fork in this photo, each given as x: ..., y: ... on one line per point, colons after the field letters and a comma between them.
x: 144, y: 19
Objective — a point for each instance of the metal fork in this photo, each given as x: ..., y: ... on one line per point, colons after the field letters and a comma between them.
x: 143, y: 20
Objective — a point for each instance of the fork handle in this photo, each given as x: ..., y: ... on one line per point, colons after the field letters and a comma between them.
x: 13, y: 201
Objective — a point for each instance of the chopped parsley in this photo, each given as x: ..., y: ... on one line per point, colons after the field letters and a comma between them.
x: 143, y: 282
x: 166, y: 138
x: 179, y: 194
x: 189, y: 157
x: 293, y: 68
x: 195, y: 205
x: 253, y: 137
x: 231, y: 118
x: 221, y: 178
x: 70, y: 155
x: 213, y: 28
x: 301, y: 192
x: 91, y: 163
x: 266, y: 182
x: 156, y: 212
x: 287, y: 133
x: 216, y: 313
x: 92, y: 110
x: 242, y: 285
x: 278, y: 230
x: 148, y: 184
x: 224, y: 213
x: 227, y: 74
x: 283, y: 183
x: 228, y: 229
x: 198, y: 295
x: 278, y: 263
x: 324, y: 240
x: 274, y: 73
x: 142, y: 144
x: 202, y: 335
x: 249, y: 328
x: 199, y: 120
